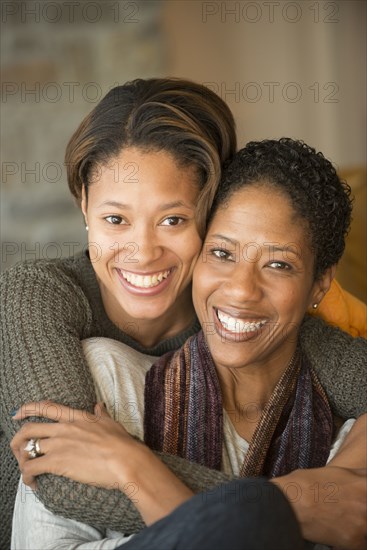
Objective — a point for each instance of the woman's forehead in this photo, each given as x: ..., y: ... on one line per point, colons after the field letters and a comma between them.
x: 258, y: 212
x: 154, y: 172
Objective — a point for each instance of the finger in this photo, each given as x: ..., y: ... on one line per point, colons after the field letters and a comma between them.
x: 33, y: 408
x: 33, y: 468
x: 50, y: 410
x: 101, y: 411
x: 14, y: 445
x: 41, y: 446
x: 30, y: 481
x: 44, y: 447
x: 49, y: 463
x: 32, y: 430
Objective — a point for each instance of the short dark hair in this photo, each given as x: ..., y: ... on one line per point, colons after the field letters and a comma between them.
x: 308, y: 179
x: 186, y: 119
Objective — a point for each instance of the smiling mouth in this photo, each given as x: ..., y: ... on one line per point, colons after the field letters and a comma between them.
x: 145, y: 281
x: 238, y: 326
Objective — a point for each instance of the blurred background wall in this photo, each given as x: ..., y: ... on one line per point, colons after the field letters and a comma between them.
x: 285, y: 68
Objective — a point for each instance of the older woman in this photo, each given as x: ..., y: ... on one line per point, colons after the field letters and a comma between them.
x: 241, y: 395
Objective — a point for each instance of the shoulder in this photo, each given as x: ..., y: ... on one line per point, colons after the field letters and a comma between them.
x: 318, y: 338
x: 52, y: 272
x: 36, y: 285
x: 317, y: 329
x: 340, y: 362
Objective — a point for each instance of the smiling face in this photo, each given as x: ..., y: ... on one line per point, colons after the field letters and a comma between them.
x: 143, y: 239
x: 254, y: 280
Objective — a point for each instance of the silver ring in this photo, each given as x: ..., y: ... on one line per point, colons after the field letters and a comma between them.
x: 33, y: 448
x: 37, y: 447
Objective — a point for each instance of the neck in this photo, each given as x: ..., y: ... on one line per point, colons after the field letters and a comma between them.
x: 150, y: 332
x: 246, y: 390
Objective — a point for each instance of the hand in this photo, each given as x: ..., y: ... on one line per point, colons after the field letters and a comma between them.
x: 94, y: 449
x: 90, y: 448
x: 330, y: 504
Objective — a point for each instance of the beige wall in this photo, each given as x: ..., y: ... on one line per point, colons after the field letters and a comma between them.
x: 287, y: 69
x: 304, y: 79
x: 309, y: 55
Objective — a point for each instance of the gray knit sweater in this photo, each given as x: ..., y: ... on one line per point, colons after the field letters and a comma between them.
x: 48, y: 307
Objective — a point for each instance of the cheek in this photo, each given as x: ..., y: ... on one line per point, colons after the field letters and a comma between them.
x: 97, y: 235
x: 188, y: 249
x: 291, y: 303
x: 192, y: 255
x: 100, y: 247
x: 202, y: 287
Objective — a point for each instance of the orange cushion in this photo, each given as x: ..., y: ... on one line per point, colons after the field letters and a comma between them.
x: 342, y: 309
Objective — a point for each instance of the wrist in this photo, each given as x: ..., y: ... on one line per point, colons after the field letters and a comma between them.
x: 150, y: 485
x: 299, y: 489
x: 126, y: 463
x: 309, y: 491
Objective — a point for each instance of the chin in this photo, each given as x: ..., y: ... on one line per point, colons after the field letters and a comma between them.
x: 229, y: 355
x: 146, y: 313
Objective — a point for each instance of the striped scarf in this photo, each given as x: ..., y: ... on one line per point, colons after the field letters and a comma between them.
x: 184, y: 414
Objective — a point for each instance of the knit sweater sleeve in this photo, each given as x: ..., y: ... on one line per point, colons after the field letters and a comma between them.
x: 341, y: 365
x: 45, y: 317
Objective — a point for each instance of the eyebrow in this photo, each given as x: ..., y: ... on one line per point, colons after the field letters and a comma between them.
x: 273, y: 248
x: 114, y: 204
x: 164, y: 206
x: 223, y: 238
x: 286, y: 248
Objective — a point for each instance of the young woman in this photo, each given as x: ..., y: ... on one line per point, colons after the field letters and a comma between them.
x: 151, y: 152
x: 241, y: 395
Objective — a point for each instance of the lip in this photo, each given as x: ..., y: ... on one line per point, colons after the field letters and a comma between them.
x: 241, y: 313
x: 237, y: 337
x: 144, y: 273
x: 141, y: 291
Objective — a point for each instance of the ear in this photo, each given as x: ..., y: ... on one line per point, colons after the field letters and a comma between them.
x: 83, y: 205
x: 322, y: 285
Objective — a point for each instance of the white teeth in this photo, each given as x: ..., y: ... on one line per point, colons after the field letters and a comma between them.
x: 236, y: 325
x: 145, y: 281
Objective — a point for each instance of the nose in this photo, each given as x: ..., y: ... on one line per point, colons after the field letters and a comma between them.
x: 143, y: 247
x: 244, y: 283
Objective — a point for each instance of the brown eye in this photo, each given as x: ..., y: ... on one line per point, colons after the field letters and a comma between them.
x: 115, y: 220
x: 172, y: 220
x: 280, y: 265
x: 221, y: 254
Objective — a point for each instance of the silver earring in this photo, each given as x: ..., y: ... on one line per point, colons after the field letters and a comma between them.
x: 86, y: 228
x: 315, y: 306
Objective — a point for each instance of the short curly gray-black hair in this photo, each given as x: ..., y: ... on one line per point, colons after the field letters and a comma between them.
x: 310, y: 181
